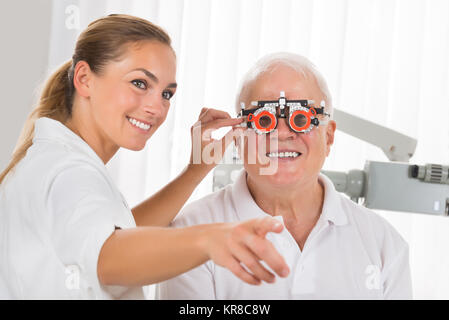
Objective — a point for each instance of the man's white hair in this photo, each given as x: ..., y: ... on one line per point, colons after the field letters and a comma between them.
x: 297, y: 62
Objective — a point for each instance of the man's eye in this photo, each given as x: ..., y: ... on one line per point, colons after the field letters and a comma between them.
x: 167, y: 95
x: 139, y: 84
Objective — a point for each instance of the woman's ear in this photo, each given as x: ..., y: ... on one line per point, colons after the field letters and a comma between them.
x: 82, y: 77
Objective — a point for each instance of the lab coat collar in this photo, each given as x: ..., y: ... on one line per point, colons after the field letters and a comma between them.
x: 247, y: 208
x: 53, y: 130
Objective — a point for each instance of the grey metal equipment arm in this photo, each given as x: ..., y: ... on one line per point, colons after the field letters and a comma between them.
x: 395, y: 145
x: 394, y: 186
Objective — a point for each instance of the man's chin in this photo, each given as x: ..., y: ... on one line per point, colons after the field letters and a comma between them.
x: 280, y: 176
x: 283, y: 178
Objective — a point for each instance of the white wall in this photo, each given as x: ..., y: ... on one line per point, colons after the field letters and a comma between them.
x: 24, y: 33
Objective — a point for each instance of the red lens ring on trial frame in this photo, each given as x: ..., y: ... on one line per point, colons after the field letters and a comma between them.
x: 255, y: 119
x: 306, y: 114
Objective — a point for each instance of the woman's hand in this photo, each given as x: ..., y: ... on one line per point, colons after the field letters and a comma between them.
x: 206, y: 151
x: 234, y: 245
x: 162, y: 207
x: 130, y: 258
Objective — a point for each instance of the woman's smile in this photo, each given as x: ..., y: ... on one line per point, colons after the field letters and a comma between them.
x: 140, y: 125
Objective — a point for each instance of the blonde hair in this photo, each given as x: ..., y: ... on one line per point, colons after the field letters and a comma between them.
x: 101, y: 42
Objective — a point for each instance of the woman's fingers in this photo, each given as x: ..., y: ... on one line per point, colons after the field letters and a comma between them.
x: 220, y: 123
x: 267, y: 224
x: 262, y: 248
x: 249, y: 259
x: 208, y: 117
x: 213, y: 125
x: 240, y: 249
x: 265, y: 251
x: 208, y: 114
x: 236, y: 268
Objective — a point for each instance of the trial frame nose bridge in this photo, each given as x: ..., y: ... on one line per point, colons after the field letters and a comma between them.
x: 279, y: 109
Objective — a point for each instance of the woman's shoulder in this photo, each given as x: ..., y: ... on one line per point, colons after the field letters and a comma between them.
x: 44, y: 162
x: 53, y: 156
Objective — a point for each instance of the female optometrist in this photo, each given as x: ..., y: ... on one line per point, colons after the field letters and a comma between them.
x: 65, y: 230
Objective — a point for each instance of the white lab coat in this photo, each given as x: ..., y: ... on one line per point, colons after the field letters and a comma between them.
x: 351, y: 253
x: 57, y: 208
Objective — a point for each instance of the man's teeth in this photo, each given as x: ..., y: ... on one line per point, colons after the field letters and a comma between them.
x: 139, y: 124
x: 283, y: 154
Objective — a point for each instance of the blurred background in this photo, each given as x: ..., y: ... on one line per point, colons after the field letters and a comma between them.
x: 384, y: 60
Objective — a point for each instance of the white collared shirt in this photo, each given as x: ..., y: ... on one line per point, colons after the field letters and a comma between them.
x: 57, y: 208
x: 351, y: 253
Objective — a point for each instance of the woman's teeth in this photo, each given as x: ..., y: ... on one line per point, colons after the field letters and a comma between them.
x: 139, y: 124
x: 283, y: 154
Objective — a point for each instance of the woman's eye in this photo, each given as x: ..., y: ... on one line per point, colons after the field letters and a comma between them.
x: 167, y: 95
x: 139, y: 84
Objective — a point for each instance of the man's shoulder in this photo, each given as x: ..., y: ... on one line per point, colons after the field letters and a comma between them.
x: 212, y: 208
x: 369, y: 222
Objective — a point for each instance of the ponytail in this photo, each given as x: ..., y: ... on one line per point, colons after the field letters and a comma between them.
x: 101, y: 42
x: 55, y: 102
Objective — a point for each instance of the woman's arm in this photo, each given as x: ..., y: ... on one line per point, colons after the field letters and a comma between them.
x: 146, y: 255
x: 161, y: 208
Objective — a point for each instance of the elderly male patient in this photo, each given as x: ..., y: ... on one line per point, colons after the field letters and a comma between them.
x: 336, y: 249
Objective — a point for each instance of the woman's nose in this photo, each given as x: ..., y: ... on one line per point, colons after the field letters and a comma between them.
x: 154, y: 106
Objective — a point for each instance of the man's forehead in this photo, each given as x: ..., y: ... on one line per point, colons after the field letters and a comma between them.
x: 295, y: 85
x: 293, y: 91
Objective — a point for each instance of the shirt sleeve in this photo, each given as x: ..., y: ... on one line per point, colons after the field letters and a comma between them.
x: 397, y: 281
x: 196, y: 284
x: 84, y: 213
x: 4, y: 294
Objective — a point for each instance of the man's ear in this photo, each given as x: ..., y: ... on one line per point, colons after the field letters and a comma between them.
x: 238, y: 142
x: 330, y: 133
x: 82, y: 77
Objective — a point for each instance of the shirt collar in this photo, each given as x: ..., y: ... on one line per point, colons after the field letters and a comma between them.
x: 53, y: 130
x: 332, y: 208
x: 247, y: 208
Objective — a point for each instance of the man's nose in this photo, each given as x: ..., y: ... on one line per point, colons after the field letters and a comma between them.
x: 284, y: 131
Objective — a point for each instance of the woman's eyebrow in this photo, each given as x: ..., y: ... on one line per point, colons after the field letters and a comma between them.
x: 153, y: 77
